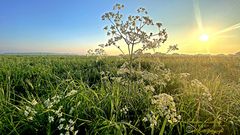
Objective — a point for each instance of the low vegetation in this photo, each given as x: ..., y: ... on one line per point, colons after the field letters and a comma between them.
x: 86, y: 95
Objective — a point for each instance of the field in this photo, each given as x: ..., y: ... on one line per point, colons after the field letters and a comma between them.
x: 170, y: 94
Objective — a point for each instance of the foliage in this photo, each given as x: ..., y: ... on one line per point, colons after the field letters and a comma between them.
x: 52, y: 95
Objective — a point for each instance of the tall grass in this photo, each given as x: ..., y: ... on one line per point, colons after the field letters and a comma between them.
x: 70, y: 95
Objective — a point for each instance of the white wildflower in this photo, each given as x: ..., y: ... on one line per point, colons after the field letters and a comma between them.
x: 67, y: 133
x: 165, y: 105
x: 184, y: 75
x: 56, y: 99
x: 60, y: 127
x: 67, y: 127
x: 71, y: 121
x: 75, y: 132
x: 71, y: 110
x: 29, y: 112
x: 149, y: 88
x: 167, y: 75
x: 179, y: 117
x: 58, y: 112
x: 149, y: 76
x: 30, y: 118
x: 102, y: 73
x: 50, y: 119
x: 72, y: 128
x: 48, y: 104
x: 26, y: 113
x: 61, y: 120
x: 73, y: 92
x: 123, y: 71
x: 117, y: 79
x: 145, y: 119
x: 28, y: 108
x: 203, y: 89
x: 34, y: 102
x: 124, y: 110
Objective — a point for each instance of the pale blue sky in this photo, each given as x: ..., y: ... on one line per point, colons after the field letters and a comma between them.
x: 73, y: 26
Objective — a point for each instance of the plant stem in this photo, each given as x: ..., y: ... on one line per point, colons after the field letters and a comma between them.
x: 152, y: 130
x: 163, y: 127
x: 131, y: 65
x: 49, y: 129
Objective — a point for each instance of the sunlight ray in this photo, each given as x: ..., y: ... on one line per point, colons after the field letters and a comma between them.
x: 233, y: 27
x: 197, y: 14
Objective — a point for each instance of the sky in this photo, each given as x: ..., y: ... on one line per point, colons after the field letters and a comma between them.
x: 74, y: 26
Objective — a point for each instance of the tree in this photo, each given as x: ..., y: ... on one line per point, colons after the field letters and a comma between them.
x: 132, y: 32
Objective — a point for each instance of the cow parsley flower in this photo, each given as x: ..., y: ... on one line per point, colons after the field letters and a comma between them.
x: 71, y: 110
x: 149, y: 88
x: 204, y: 91
x: 62, y: 120
x: 29, y: 112
x: 48, y: 103
x: 73, y: 92
x: 184, y: 75
x: 60, y: 127
x: 34, y: 102
x: 165, y: 106
x: 124, y: 110
x: 50, y: 119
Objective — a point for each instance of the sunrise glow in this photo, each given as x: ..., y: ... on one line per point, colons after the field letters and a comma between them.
x: 204, y: 37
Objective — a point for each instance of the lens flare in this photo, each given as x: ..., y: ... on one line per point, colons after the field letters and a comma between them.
x: 197, y: 13
x: 233, y: 27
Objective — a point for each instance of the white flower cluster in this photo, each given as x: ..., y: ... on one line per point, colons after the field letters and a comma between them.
x: 96, y: 52
x: 59, y: 112
x: 29, y: 112
x: 151, y: 118
x: 72, y: 92
x: 34, y: 102
x: 184, y: 75
x: 50, y: 119
x: 158, y: 66
x: 148, y: 76
x: 123, y: 70
x: 105, y: 75
x: 167, y: 75
x: 149, y: 88
x: 124, y: 110
x: 160, y: 79
x: 71, y: 110
x: 67, y: 127
x: 49, y: 103
x: 132, y: 30
x: 204, y: 91
x: 165, y: 107
x: 147, y: 79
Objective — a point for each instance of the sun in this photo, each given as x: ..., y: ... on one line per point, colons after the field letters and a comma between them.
x: 203, y: 37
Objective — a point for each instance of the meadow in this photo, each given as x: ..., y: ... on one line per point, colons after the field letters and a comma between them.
x: 167, y: 94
